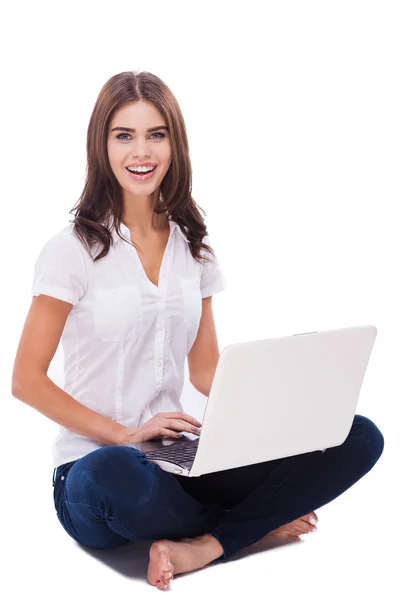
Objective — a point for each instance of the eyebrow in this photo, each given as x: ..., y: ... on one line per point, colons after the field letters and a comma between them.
x: 130, y: 130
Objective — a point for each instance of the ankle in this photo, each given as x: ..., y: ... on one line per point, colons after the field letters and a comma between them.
x: 211, y: 545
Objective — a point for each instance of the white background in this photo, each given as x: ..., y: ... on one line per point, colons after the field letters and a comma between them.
x: 292, y: 113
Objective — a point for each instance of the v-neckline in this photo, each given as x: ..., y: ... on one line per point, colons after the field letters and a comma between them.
x: 162, y: 266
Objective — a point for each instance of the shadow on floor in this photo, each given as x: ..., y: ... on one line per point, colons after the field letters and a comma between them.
x: 132, y: 560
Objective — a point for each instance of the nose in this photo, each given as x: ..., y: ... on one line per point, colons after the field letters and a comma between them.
x: 141, y: 148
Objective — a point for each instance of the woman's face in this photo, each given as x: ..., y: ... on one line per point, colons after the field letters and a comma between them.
x: 127, y: 148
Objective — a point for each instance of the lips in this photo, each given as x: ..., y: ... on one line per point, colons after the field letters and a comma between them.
x: 141, y: 176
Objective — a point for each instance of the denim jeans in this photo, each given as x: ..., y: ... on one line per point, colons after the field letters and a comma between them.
x: 114, y: 494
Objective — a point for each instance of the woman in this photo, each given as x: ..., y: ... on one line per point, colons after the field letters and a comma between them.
x: 129, y: 316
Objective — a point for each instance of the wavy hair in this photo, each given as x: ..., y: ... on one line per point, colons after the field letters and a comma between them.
x: 100, y: 204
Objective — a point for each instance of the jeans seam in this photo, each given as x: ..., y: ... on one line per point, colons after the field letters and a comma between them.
x: 81, y: 503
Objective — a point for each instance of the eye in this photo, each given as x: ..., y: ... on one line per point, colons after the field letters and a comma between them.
x: 119, y: 136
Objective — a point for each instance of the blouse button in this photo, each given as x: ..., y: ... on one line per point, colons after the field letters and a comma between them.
x: 62, y: 477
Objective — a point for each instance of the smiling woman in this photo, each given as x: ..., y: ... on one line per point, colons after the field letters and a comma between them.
x: 137, y: 122
x: 154, y: 140
x: 138, y: 304
x: 128, y: 321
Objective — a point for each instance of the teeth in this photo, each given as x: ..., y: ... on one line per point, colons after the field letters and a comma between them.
x: 140, y: 169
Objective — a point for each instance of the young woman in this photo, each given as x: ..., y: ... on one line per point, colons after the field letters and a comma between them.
x: 128, y: 287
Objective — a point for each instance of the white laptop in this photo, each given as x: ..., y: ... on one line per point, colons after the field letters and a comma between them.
x: 273, y: 398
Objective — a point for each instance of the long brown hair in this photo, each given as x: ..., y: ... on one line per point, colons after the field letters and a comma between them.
x: 101, y: 199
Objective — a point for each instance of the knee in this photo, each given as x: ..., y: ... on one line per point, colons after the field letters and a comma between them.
x: 371, y: 435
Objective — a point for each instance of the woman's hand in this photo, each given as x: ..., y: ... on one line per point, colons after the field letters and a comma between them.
x: 162, y: 424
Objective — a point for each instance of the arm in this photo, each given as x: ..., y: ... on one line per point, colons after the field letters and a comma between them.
x: 204, y: 354
x: 204, y: 381
x: 30, y: 383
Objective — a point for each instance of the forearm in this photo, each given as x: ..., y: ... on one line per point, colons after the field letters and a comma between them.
x: 50, y: 400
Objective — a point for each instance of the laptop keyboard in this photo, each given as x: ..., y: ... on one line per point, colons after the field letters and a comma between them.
x: 180, y: 453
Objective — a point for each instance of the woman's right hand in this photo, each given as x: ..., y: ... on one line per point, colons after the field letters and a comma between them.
x: 162, y: 424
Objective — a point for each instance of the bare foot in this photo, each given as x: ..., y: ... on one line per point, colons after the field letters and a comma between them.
x: 188, y: 554
x: 168, y: 558
x: 295, y: 528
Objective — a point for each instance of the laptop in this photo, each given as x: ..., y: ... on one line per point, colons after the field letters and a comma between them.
x: 273, y: 398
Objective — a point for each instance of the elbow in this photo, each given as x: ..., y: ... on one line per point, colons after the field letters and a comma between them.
x: 202, y: 382
x: 21, y: 383
x: 16, y: 388
x: 16, y: 380
x: 17, y: 385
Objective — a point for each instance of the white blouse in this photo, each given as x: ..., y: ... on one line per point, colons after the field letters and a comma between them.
x: 125, y: 340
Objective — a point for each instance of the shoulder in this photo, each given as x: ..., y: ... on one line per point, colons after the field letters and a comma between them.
x: 64, y: 250
x: 60, y: 270
x: 64, y: 241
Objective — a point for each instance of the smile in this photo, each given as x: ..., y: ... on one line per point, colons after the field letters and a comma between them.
x: 141, y: 176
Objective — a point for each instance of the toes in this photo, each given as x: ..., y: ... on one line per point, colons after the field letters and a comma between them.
x: 160, y: 567
x: 167, y: 575
x: 302, y: 527
x: 310, y: 515
x: 291, y: 531
x: 160, y: 584
x: 163, y: 582
x: 304, y: 531
x: 309, y: 529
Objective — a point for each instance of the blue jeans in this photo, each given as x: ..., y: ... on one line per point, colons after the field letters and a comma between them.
x: 114, y: 494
